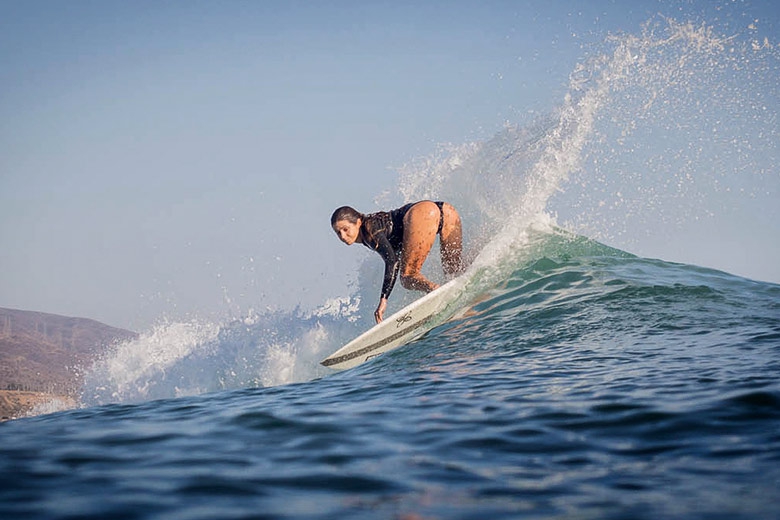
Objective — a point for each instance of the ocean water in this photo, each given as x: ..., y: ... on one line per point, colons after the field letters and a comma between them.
x: 587, y: 384
x: 577, y: 381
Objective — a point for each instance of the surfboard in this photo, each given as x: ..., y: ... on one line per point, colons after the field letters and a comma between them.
x: 401, y: 328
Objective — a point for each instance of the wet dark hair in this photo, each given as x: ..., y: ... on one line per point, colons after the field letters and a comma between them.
x: 347, y: 213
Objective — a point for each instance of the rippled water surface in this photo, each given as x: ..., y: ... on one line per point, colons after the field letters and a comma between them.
x: 606, y: 387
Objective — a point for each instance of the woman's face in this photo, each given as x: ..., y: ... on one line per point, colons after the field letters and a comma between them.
x: 347, y: 231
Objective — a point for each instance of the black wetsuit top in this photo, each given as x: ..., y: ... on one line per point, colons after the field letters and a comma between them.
x: 383, y: 232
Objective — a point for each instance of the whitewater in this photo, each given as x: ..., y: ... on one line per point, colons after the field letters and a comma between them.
x: 579, y: 381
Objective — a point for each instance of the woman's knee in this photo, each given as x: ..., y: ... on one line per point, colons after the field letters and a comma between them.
x: 416, y: 282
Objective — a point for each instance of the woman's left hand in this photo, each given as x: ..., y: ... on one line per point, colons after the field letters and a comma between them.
x: 380, y: 310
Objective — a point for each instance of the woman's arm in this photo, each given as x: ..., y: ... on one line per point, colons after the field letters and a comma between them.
x: 387, y: 253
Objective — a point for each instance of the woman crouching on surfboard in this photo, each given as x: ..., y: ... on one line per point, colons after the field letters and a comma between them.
x: 403, y: 237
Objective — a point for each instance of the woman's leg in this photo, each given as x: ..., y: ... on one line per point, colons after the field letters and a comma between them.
x: 451, y: 241
x: 420, y: 226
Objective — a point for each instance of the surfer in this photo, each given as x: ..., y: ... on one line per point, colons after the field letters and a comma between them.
x: 403, y: 237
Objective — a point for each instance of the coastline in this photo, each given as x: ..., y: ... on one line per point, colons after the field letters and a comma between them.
x: 15, y: 404
x: 43, y: 358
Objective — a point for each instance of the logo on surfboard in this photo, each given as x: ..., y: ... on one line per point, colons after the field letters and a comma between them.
x: 403, y: 319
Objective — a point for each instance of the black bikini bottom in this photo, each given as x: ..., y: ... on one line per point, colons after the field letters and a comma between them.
x: 441, y: 216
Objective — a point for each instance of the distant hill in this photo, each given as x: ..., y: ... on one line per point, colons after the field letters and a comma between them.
x: 47, y: 353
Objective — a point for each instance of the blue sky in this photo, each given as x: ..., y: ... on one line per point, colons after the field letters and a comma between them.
x: 182, y: 158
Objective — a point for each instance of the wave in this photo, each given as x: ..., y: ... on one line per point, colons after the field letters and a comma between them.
x: 511, y: 191
x: 565, y: 292
x: 181, y: 359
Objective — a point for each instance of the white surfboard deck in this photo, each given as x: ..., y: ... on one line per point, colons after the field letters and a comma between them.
x: 401, y: 328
